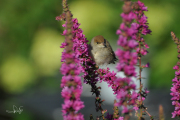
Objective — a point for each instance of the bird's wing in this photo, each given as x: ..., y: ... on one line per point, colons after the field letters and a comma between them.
x: 110, y: 49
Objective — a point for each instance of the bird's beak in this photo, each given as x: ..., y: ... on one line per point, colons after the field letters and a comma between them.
x: 102, y: 44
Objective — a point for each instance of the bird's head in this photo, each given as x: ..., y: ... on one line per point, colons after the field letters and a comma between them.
x: 99, y: 41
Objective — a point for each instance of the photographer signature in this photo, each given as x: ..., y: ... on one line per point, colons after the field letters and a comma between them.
x: 15, y: 110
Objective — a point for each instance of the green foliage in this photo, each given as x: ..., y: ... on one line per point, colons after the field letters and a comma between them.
x: 21, y: 21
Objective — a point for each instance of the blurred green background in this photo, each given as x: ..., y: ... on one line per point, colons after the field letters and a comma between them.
x: 30, y: 38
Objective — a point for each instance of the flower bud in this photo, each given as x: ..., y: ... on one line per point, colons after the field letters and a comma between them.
x: 178, y: 63
x: 178, y: 56
x: 178, y: 50
x: 126, y: 9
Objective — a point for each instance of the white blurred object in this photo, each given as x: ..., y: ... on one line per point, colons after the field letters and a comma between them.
x: 106, y: 92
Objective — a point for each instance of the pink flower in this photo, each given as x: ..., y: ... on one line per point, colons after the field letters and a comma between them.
x: 146, y: 91
x: 125, y: 109
x: 122, y: 41
x: 135, y: 108
x: 77, y: 105
x: 121, y: 94
x: 132, y: 43
x: 64, y: 32
x: 146, y: 45
x: 123, y: 26
x: 143, y: 19
x: 66, y: 93
x: 67, y: 104
x: 128, y: 17
x: 118, y: 32
x: 143, y: 51
x: 142, y: 6
x: 121, y: 118
x: 176, y: 67
x: 120, y: 67
x: 147, y: 65
x: 72, y: 117
x: 63, y: 45
x: 177, y: 73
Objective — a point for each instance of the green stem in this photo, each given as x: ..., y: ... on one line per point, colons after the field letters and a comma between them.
x: 140, y: 84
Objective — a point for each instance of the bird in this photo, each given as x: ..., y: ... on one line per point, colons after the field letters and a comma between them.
x: 101, y: 51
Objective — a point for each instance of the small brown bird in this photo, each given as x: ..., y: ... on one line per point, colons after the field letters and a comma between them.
x: 101, y: 51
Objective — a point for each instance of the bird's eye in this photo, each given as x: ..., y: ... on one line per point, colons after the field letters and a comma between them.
x: 97, y: 42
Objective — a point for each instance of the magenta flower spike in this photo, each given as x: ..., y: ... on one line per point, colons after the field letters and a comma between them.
x: 143, y: 29
x: 71, y: 82
x: 71, y: 68
x: 175, y: 93
x: 127, y: 59
x: 134, y: 47
x: 82, y: 63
